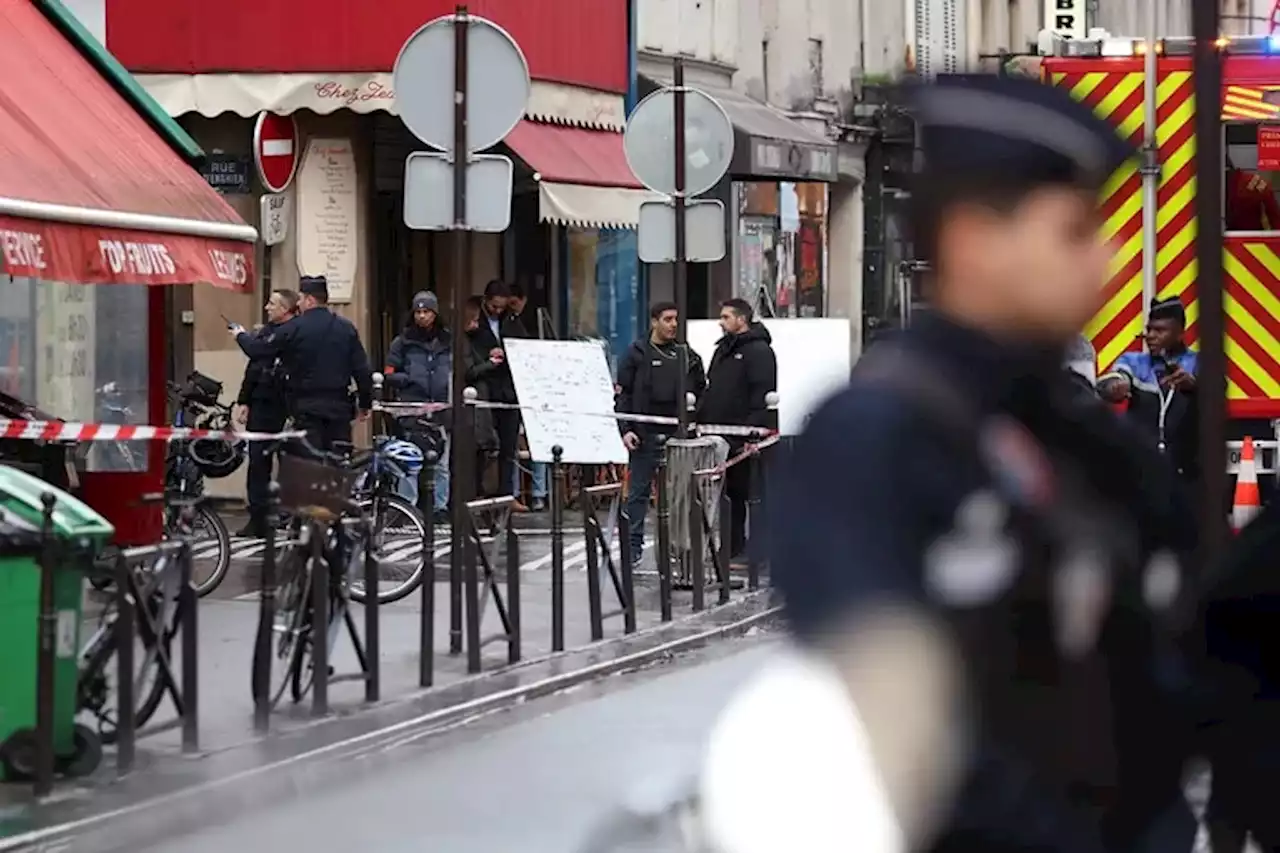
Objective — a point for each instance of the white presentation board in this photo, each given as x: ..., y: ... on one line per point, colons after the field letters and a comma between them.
x: 814, y: 360
x: 555, y: 377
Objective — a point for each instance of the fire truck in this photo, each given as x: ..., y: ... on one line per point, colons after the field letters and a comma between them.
x: 1148, y: 206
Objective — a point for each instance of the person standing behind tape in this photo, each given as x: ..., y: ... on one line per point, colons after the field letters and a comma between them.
x: 743, y: 372
x: 537, y: 470
x: 420, y: 368
x: 497, y: 324
x: 260, y: 407
x: 323, y: 355
x: 648, y: 376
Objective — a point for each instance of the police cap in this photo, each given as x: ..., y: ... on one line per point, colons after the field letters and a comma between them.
x: 1168, y: 309
x: 1012, y: 130
x: 314, y: 285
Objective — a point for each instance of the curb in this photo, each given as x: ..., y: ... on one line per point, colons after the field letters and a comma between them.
x: 148, y: 820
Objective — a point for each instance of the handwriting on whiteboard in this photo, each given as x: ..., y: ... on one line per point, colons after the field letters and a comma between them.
x: 552, y: 377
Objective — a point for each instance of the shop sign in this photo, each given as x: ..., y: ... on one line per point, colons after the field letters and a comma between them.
x: 793, y: 160
x: 1268, y: 147
x: 227, y: 173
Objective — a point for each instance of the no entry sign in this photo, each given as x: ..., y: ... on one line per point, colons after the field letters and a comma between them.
x: 275, y: 150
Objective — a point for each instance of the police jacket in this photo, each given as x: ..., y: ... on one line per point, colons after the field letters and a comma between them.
x: 742, y: 372
x: 502, y: 388
x: 420, y: 364
x: 1024, y: 523
x: 1166, y: 416
x: 322, y: 356
x: 648, y: 374
x: 264, y: 376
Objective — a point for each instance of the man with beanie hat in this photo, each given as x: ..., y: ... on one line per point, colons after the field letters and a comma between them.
x: 419, y: 368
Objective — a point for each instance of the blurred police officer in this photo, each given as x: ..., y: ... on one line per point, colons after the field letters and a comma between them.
x: 322, y: 356
x: 261, y: 407
x: 648, y: 379
x: 958, y: 492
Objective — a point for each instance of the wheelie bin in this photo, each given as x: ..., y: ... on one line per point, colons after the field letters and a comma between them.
x: 80, y: 533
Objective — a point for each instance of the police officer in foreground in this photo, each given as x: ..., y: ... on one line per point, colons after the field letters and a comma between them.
x: 260, y: 407
x: 958, y: 500
x: 322, y: 356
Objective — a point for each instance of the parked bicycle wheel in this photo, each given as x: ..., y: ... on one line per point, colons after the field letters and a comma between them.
x: 398, y: 530
x: 292, y: 608
x: 210, y: 543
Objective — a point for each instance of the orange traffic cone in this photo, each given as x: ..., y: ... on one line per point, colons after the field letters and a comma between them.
x: 1246, y: 504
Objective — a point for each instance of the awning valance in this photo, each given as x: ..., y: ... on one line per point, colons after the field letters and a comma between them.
x: 584, y: 179
x: 88, y: 191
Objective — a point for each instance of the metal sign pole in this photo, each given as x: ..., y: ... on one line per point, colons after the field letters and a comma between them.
x: 462, y: 465
x: 1211, y: 380
x: 681, y: 271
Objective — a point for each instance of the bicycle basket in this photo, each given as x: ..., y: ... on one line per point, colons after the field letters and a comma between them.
x: 201, y: 389
x: 308, y: 486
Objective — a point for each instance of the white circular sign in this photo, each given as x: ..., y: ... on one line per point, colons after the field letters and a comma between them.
x: 650, y: 142
x: 497, y: 83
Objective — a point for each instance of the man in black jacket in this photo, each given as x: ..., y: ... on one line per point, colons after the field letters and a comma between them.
x: 743, y: 372
x: 260, y: 407
x: 648, y: 375
x: 496, y: 325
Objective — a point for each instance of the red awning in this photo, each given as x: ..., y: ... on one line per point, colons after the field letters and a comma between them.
x: 89, y: 192
x: 584, y: 177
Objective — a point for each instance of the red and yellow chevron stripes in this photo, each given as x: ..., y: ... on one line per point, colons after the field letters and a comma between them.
x: 1252, y: 267
x: 1248, y: 103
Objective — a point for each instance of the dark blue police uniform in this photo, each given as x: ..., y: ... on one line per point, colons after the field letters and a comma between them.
x: 322, y: 356
x: 970, y: 479
x: 263, y: 390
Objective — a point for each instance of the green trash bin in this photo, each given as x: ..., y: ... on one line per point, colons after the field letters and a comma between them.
x: 82, y: 533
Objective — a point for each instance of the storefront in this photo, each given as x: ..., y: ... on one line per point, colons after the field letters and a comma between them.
x: 100, y: 213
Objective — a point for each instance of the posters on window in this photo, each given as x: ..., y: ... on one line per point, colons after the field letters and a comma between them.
x: 65, y: 349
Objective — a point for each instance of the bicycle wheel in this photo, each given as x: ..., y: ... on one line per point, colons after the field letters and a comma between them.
x: 293, y: 606
x: 97, y: 687
x: 302, y: 674
x: 210, y: 543
x: 398, y: 529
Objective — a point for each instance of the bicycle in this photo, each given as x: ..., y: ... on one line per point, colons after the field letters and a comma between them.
x: 323, y: 520
x: 154, y: 589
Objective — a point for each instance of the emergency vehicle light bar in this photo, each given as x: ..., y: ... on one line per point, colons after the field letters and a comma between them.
x: 1101, y: 44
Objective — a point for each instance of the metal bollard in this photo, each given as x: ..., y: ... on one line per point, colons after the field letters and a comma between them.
x: 697, y: 563
x: 46, y: 657
x: 628, y: 574
x: 557, y: 548
x: 594, y: 604
x: 188, y: 609
x: 262, y: 646
x: 755, y: 522
x: 319, y: 623
x: 427, y: 624
x: 664, y: 532
x: 126, y: 625
x: 513, y: 590
x: 372, y: 606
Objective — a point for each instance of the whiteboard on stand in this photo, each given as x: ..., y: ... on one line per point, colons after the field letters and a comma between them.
x: 566, y: 398
x: 815, y: 357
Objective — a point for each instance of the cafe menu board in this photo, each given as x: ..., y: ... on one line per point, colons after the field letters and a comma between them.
x: 65, y: 354
x: 328, y: 208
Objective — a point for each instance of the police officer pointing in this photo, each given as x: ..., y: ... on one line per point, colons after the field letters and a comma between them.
x: 959, y: 493
x: 322, y: 356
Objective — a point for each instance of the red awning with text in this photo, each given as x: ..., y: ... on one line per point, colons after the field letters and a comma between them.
x: 89, y: 192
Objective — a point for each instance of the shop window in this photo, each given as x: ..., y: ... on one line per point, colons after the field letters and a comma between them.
x: 1251, y: 168
x: 79, y: 352
x: 603, y: 281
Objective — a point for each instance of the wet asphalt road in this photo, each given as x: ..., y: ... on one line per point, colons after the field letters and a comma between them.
x: 535, y: 780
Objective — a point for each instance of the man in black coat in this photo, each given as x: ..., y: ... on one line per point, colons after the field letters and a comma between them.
x: 497, y: 324
x: 742, y: 373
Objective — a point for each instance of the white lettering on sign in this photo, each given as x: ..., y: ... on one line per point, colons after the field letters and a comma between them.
x: 141, y: 259
x: 1066, y: 18
x: 229, y: 266
x: 22, y: 249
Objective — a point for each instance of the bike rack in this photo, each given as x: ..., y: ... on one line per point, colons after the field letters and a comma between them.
x: 132, y: 622
x: 478, y: 591
x: 600, y: 556
x: 322, y: 590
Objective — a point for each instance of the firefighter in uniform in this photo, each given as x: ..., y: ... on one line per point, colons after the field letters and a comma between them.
x: 961, y: 493
x: 322, y: 356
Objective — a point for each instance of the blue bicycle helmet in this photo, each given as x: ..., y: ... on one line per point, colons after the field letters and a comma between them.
x: 406, y: 455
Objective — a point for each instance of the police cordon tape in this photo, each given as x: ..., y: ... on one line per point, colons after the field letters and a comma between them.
x: 71, y: 431
x: 705, y: 429
x: 747, y: 453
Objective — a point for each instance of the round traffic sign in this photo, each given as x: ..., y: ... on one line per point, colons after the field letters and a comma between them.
x: 497, y: 81
x: 649, y: 141
x: 275, y: 150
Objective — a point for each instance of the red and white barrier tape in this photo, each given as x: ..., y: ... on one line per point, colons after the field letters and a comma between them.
x: 708, y: 429
x: 751, y: 450
x: 71, y: 431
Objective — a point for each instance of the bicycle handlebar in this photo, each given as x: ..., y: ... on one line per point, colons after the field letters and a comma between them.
x: 351, y: 460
